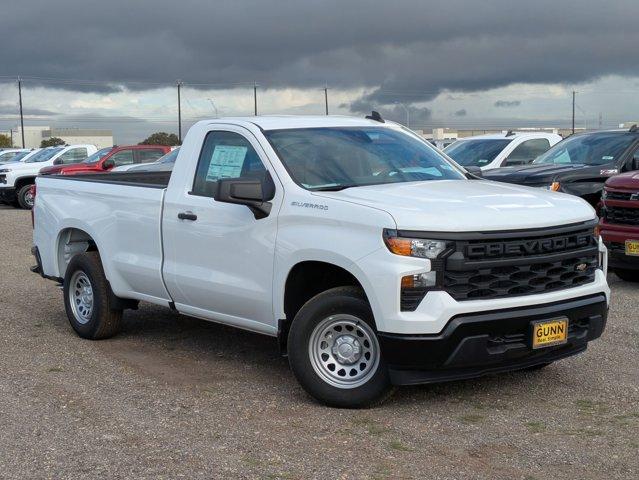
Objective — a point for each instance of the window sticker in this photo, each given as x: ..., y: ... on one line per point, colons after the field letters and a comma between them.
x: 227, y: 162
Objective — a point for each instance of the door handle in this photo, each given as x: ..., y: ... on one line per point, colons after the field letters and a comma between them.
x: 187, y: 216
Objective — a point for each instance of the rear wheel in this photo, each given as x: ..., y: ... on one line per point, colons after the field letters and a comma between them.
x: 87, y: 298
x: 627, y: 275
x: 25, y: 197
x: 334, y: 352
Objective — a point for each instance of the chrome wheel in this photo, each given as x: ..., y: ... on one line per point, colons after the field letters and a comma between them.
x: 344, y: 351
x: 29, y: 198
x: 81, y: 297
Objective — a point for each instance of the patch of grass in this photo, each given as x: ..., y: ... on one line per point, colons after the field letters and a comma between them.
x: 583, y: 432
x: 472, y: 418
x: 590, y: 407
x: 38, y: 325
x: 536, y: 427
x: 55, y: 369
x: 372, y: 427
x: 399, y: 446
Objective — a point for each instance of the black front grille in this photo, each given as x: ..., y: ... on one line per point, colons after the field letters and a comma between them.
x: 3, y: 178
x: 494, y: 267
x: 622, y: 215
x: 612, y: 195
x: 515, y: 280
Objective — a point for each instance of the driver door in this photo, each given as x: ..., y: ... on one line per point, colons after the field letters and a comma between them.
x: 218, y: 256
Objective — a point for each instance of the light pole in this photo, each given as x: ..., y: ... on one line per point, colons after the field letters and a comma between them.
x: 214, y: 107
x: 407, y: 113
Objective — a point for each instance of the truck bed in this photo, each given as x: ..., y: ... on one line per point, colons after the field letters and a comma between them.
x: 137, y: 179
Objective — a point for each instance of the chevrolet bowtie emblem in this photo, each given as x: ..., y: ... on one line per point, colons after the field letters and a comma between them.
x: 580, y: 267
x: 634, y: 196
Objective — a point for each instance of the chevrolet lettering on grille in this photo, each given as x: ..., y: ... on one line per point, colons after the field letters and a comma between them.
x: 529, y: 247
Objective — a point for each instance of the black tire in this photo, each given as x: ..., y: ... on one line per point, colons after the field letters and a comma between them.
x: 627, y: 275
x: 102, y: 320
x: 350, y: 302
x: 22, y: 197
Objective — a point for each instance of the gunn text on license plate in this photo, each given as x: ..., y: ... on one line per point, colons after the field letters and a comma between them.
x: 547, y: 333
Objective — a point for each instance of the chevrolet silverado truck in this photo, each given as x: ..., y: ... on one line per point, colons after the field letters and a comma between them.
x: 619, y: 224
x: 17, y: 178
x: 371, y: 257
x: 579, y: 165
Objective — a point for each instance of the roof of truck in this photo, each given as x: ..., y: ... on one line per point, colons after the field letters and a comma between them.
x: 276, y: 122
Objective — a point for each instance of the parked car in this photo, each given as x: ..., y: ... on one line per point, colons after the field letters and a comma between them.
x: 16, y: 178
x: 372, y: 258
x: 578, y: 165
x: 164, y: 164
x: 619, y: 224
x: 12, y: 155
x: 108, y: 158
x: 501, y: 149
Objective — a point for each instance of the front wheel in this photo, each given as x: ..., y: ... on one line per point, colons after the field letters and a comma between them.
x: 334, y: 352
x: 627, y: 275
x: 25, y: 197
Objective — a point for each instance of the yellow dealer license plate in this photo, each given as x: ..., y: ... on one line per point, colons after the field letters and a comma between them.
x: 547, y: 333
x: 632, y: 247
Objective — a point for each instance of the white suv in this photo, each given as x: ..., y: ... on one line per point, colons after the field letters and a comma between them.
x: 501, y: 149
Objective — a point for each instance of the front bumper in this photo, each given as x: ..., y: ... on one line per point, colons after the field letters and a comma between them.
x: 614, y: 237
x: 477, y: 344
x: 7, y: 194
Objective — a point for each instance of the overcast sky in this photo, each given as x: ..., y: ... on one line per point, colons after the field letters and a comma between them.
x: 461, y: 62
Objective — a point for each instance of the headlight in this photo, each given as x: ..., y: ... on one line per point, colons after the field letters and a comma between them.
x: 553, y: 187
x: 413, y: 247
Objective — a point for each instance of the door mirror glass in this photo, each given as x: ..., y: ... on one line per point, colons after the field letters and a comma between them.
x: 58, y: 161
x: 108, y: 164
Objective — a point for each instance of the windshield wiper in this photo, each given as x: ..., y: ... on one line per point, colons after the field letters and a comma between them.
x: 333, y: 188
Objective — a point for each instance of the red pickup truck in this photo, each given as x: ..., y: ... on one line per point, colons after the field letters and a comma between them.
x: 619, y: 224
x: 109, y: 158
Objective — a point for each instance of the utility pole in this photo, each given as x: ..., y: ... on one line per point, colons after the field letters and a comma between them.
x: 21, y: 113
x: 255, y: 97
x: 326, y: 97
x: 573, y: 111
x: 179, y: 99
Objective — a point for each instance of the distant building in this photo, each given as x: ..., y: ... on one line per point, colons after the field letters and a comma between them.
x: 33, y: 136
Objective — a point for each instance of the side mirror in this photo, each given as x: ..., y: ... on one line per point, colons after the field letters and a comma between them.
x: 475, y: 172
x: 634, y: 164
x: 108, y: 164
x: 255, y: 194
x: 57, y: 161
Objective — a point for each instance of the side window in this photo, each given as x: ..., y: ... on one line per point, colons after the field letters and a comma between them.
x: 74, y: 155
x: 148, y: 155
x: 633, y: 164
x: 527, y: 151
x: 124, y: 157
x: 225, y: 155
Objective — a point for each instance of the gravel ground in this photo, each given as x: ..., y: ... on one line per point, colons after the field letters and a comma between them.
x: 175, y: 397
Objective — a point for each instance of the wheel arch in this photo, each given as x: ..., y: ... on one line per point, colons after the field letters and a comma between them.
x: 72, y: 241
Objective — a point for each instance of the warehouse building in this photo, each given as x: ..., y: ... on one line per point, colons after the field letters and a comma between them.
x: 33, y: 136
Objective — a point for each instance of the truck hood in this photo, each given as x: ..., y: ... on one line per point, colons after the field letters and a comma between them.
x: 468, y: 205
x: 533, y: 174
x: 628, y: 180
x: 20, y: 166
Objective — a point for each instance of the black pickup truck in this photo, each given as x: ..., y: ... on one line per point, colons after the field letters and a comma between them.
x: 578, y: 165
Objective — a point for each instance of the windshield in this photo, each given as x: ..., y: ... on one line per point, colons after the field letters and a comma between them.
x: 476, y: 153
x: 337, y: 158
x: 169, y: 157
x: 19, y: 156
x: 97, y: 156
x: 595, y: 149
x: 43, y: 155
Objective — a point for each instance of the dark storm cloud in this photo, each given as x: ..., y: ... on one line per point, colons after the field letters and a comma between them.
x: 507, y: 103
x: 402, y: 51
x: 461, y: 113
x: 14, y: 110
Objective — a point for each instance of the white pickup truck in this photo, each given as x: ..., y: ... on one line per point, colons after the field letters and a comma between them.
x: 371, y: 257
x: 16, y: 178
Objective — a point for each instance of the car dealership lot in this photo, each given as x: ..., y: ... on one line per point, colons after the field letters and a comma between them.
x: 173, y: 396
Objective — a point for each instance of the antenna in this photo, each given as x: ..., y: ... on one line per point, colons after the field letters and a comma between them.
x: 375, y: 116
x: 510, y: 133
x: 634, y: 128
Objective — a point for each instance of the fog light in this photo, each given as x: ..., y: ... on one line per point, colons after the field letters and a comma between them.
x: 421, y: 280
